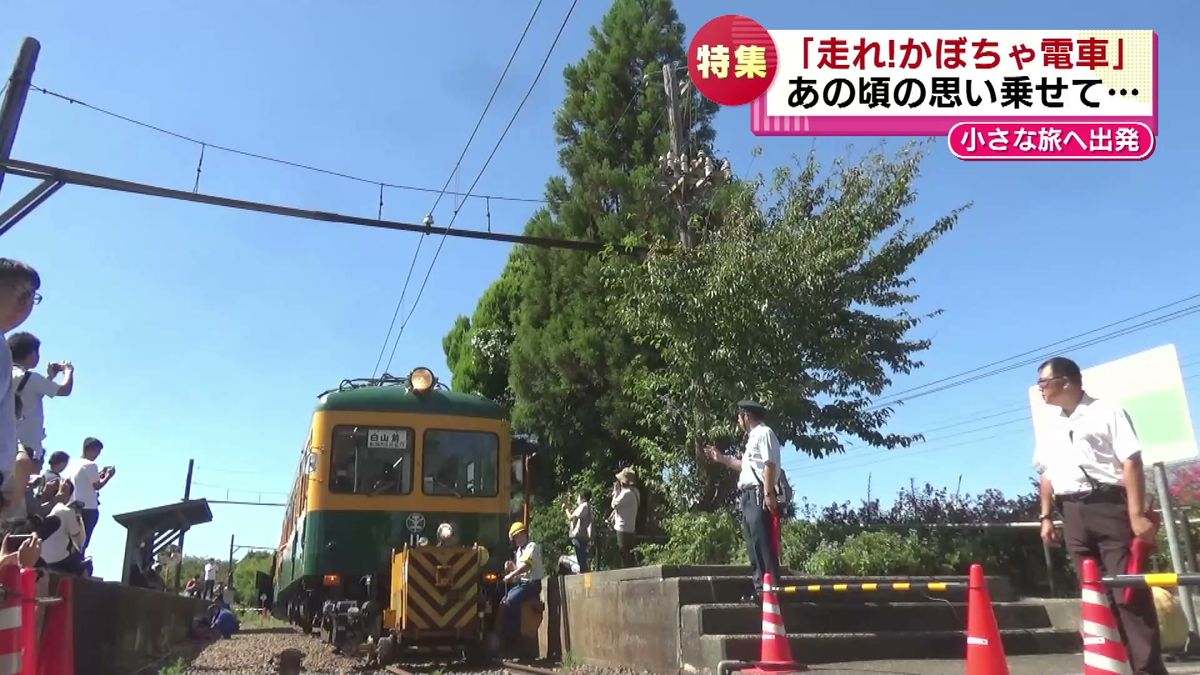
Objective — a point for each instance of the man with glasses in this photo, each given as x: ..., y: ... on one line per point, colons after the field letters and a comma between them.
x: 1091, y: 469
x: 19, y: 284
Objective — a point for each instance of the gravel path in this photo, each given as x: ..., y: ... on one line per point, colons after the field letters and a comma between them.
x: 251, y: 650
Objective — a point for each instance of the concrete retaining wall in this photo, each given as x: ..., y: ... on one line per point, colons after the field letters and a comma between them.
x: 119, y: 629
x: 647, y: 616
x: 614, y: 619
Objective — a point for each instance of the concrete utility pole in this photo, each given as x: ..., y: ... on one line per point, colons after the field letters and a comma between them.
x: 14, y: 97
x: 689, y: 180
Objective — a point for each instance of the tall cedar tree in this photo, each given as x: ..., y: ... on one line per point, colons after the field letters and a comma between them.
x: 542, y: 337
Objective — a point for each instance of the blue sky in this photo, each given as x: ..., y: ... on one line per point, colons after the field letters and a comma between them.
x: 205, y: 333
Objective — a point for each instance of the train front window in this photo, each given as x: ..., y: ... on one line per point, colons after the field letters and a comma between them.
x: 371, y: 460
x: 460, y: 463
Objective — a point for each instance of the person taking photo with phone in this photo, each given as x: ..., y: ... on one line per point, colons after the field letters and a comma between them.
x: 89, y: 479
x: 32, y: 387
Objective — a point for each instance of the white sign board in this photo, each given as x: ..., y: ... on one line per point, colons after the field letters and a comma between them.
x: 1149, y: 385
x: 388, y: 439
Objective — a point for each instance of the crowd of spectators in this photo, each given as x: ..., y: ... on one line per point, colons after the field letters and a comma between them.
x: 49, y: 506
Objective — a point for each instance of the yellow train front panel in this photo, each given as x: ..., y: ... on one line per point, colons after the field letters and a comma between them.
x: 437, y: 589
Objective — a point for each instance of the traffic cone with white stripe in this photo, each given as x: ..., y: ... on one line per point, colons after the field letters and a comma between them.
x: 1103, y: 650
x: 985, y: 650
x: 776, y: 654
x: 10, y: 621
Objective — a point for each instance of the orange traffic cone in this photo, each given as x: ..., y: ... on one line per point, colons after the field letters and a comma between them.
x: 985, y: 651
x: 58, y: 636
x: 1103, y: 650
x: 776, y: 654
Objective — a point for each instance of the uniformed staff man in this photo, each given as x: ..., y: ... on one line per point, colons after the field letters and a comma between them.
x: 758, y: 499
x: 1091, y: 468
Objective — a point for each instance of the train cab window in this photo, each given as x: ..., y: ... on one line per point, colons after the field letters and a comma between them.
x: 371, y: 461
x: 460, y: 463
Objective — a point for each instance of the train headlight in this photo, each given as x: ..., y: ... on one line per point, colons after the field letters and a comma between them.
x: 332, y: 580
x: 421, y: 380
x: 490, y: 577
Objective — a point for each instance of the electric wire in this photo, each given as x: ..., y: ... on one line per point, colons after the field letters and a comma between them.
x: 478, y: 176
x: 453, y: 173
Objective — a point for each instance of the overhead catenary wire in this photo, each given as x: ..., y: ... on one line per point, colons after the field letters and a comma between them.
x: 276, y: 160
x: 478, y: 176
x: 453, y: 175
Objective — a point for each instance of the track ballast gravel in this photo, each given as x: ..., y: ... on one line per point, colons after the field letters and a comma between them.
x: 250, y: 652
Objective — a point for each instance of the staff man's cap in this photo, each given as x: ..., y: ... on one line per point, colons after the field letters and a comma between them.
x: 752, y: 406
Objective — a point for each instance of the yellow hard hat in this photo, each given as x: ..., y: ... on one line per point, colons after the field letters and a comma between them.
x: 515, y: 528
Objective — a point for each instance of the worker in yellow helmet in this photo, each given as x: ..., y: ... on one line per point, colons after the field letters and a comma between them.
x: 524, y: 575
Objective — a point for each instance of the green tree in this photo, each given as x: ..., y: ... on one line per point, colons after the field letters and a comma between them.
x: 477, y: 349
x: 797, y: 295
x: 569, y: 358
x: 245, y: 576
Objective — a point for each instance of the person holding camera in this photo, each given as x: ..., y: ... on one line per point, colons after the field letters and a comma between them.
x: 32, y: 387
x: 758, y: 496
x: 579, y: 522
x: 623, y: 517
x: 88, y: 480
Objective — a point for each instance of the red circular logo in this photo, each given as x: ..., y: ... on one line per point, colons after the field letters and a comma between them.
x: 732, y: 60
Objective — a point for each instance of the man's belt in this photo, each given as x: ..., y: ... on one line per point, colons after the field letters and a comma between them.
x: 1106, y: 493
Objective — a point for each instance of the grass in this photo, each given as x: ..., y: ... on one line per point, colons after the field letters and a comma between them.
x: 176, y: 667
x: 252, y: 619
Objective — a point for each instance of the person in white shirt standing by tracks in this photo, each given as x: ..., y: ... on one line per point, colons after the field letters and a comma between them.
x: 1091, y: 469
x: 210, y: 579
x: 32, y: 387
x: 758, y: 498
x: 89, y: 479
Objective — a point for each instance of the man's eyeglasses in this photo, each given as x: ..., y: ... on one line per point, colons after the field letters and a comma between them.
x: 37, y: 298
x: 1044, y: 382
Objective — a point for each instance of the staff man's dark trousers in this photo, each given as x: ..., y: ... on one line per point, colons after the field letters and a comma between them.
x: 756, y: 527
x: 1099, y: 529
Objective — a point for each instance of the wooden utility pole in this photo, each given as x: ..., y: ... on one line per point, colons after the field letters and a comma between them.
x: 14, y: 97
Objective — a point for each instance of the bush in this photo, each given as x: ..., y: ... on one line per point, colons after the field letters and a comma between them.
x: 548, y: 527
x: 801, y: 539
x: 871, y: 554
x: 698, y: 539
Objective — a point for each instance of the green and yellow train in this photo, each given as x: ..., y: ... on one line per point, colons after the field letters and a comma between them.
x: 387, y: 462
